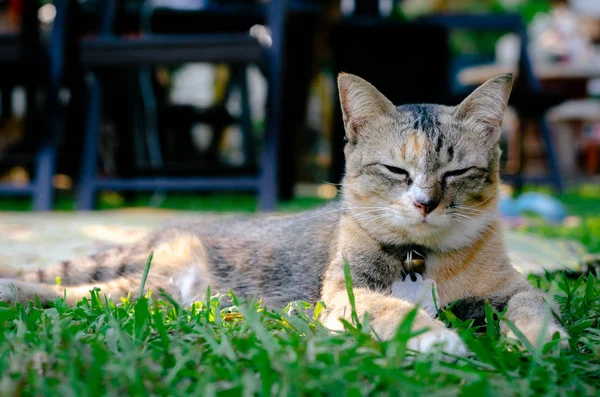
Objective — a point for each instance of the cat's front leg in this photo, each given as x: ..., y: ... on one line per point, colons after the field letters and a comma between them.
x: 385, y: 315
x: 528, y: 310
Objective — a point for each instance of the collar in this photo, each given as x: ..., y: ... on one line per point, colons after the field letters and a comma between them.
x: 411, y: 256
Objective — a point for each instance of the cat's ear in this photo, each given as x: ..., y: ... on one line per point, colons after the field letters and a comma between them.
x: 360, y: 102
x: 488, y: 102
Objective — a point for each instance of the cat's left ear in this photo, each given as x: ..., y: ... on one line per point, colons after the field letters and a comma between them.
x: 361, y: 102
x: 488, y: 102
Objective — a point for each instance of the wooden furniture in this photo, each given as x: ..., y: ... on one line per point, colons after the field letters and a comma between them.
x: 575, y: 114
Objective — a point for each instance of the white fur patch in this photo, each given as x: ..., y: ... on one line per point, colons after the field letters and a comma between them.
x: 188, y: 284
x: 446, y: 340
x: 417, y: 292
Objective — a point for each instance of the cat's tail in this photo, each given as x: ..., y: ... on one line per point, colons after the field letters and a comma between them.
x: 116, y: 272
x: 102, y: 266
x: 111, y: 271
x: 171, y: 248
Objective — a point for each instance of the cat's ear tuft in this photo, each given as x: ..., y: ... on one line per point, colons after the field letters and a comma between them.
x: 360, y: 103
x: 488, y: 102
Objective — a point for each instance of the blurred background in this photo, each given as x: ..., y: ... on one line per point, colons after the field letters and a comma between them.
x: 232, y: 105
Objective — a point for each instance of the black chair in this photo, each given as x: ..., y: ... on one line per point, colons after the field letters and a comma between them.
x: 170, y: 124
x: 26, y: 60
x: 302, y: 27
x: 107, y: 51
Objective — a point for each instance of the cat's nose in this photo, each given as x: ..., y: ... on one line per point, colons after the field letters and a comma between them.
x: 426, y: 206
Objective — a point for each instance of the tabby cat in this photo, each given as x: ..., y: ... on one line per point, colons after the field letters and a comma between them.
x: 419, y: 179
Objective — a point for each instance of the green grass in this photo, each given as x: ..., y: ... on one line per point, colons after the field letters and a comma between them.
x: 152, y: 346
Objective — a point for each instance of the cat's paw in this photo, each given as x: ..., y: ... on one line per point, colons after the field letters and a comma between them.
x: 439, y: 338
x: 532, y: 332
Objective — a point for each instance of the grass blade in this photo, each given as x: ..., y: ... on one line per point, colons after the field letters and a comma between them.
x: 351, y: 298
x: 145, y: 276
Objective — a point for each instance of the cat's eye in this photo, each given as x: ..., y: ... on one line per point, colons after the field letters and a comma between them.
x: 396, y: 170
x: 458, y: 172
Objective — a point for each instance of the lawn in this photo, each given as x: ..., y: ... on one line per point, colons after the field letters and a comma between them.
x: 152, y: 346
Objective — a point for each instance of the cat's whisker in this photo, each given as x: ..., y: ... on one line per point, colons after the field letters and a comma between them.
x: 486, y: 200
x: 471, y: 223
x: 367, y: 213
x: 465, y: 217
x: 331, y: 183
x: 387, y: 222
x: 320, y: 214
x: 362, y: 227
x: 396, y: 240
x: 465, y: 222
x: 360, y: 215
x: 466, y: 208
x: 477, y: 217
x: 488, y: 232
x: 338, y: 210
x: 371, y: 221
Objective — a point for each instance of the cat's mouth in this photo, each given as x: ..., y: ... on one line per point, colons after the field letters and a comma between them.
x: 425, y: 224
x: 416, y: 223
x: 428, y: 223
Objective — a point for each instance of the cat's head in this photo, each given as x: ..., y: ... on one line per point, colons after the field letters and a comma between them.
x: 425, y: 174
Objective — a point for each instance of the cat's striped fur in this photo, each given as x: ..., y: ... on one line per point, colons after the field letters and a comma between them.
x: 423, y: 175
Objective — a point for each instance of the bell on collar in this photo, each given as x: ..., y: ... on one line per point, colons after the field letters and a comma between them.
x: 413, y: 264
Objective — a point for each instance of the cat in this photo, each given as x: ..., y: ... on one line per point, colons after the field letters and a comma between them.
x: 420, y: 179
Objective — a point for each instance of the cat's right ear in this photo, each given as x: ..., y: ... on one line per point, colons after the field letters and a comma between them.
x: 360, y: 102
x: 487, y: 103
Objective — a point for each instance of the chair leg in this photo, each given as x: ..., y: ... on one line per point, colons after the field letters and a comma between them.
x: 43, y: 193
x: 150, y: 124
x: 86, y: 193
x: 267, y: 189
x: 246, y: 119
x: 553, y: 161
x: 46, y: 154
x: 267, y: 186
x: 268, y: 182
x: 45, y: 163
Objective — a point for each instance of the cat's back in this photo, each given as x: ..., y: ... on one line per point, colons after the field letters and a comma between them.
x: 280, y: 257
x: 260, y: 226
